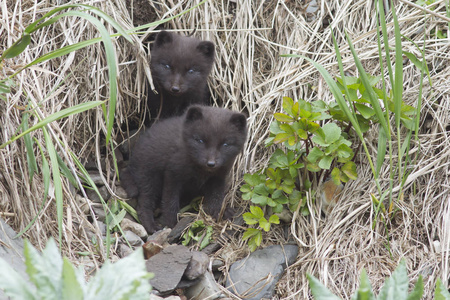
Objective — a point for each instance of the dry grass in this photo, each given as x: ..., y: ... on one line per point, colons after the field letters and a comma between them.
x: 250, y: 76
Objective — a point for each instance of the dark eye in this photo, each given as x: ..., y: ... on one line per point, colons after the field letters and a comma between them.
x: 191, y: 71
x: 225, y: 144
x: 198, y: 140
x: 166, y: 66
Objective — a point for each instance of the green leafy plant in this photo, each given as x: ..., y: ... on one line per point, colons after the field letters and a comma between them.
x: 199, y: 233
x: 53, y: 277
x: 305, y: 148
x: 395, y: 287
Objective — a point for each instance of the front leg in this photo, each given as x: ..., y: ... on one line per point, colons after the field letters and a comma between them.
x: 170, y: 202
x: 214, y: 192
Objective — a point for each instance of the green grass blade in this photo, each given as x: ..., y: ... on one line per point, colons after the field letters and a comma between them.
x: 373, y: 99
x: 56, y: 182
x: 385, y: 39
x: 31, y: 158
x: 16, y: 48
x: 381, y: 151
x: 56, y: 116
x: 46, y: 178
x: 398, y: 83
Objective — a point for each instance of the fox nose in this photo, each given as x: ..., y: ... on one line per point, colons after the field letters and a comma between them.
x: 211, y: 163
x: 175, y: 89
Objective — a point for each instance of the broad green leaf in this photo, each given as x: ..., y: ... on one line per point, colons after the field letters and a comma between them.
x: 319, y: 291
x: 245, y: 188
x: 313, y: 167
x: 325, y: 162
x: 314, y: 154
x: 365, y: 111
x: 283, y: 117
x: 249, y: 233
x: 287, y: 106
x: 250, y: 218
x: 336, y: 176
x: 396, y: 286
x: 417, y: 293
x: 257, y: 211
x: 349, y: 169
x: 264, y: 224
x: 71, y: 286
x: 364, y: 291
x: 441, y: 292
x: 113, y: 222
x: 417, y: 62
x: 274, y: 219
x: 261, y: 189
x: 253, y: 179
x: 13, y: 284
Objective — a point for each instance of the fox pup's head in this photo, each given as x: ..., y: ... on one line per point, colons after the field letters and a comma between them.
x: 214, y: 136
x: 181, y: 64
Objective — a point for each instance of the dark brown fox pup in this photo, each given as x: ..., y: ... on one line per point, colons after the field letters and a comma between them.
x: 180, y: 67
x: 181, y: 158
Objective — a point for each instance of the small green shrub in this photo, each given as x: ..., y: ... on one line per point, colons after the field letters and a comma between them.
x: 199, y: 233
x: 51, y: 277
x: 395, y: 287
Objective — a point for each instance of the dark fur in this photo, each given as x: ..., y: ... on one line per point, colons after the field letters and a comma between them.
x: 183, y: 157
x: 180, y: 68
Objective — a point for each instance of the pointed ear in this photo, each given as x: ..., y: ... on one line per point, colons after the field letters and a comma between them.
x: 162, y: 38
x: 206, y: 48
x: 240, y: 121
x: 194, y: 113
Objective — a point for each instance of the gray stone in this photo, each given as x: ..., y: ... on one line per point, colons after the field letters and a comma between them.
x: 160, y: 236
x: 175, y: 235
x: 137, y: 228
x: 154, y: 297
x: 197, y: 266
x: 93, y: 196
x: 11, y: 250
x: 132, y: 238
x: 99, y: 212
x: 121, y: 193
x: 216, y: 264
x: 96, y: 178
x: 124, y: 250
x: 206, y: 288
x: 260, y: 272
x: 211, y: 248
x: 83, y: 203
x: 168, y: 266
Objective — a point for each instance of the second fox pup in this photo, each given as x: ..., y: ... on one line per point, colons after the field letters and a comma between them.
x: 181, y: 158
x: 180, y: 67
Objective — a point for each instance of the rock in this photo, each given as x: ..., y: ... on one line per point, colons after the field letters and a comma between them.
x: 138, y: 229
x: 168, y: 266
x: 206, y: 288
x: 124, y: 250
x: 177, y: 231
x: 83, y: 203
x: 249, y: 275
x: 151, y: 249
x: 93, y: 196
x: 211, y: 248
x: 96, y: 178
x: 160, y: 237
x: 99, y: 213
x: 216, y: 264
x: 197, y: 266
x: 121, y: 193
x: 132, y: 238
x: 11, y: 250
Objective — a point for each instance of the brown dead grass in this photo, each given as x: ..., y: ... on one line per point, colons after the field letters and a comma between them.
x: 250, y: 76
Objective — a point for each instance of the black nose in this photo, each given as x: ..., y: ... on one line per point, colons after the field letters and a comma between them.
x: 175, y: 89
x: 211, y: 164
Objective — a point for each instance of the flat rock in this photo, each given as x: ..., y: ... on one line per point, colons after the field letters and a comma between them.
x: 93, y: 196
x: 175, y: 235
x: 205, y: 288
x: 137, y: 228
x: 197, y: 266
x: 260, y: 271
x: 168, y: 266
x: 132, y: 238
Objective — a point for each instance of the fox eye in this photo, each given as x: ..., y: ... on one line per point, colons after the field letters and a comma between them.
x: 191, y: 71
x: 198, y: 140
x: 166, y: 66
x: 225, y: 144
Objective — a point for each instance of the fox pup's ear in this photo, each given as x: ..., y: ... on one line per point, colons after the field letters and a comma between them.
x: 162, y: 38
x: 206, y: 48
x: 239, y: 120
x: 194, y: 113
